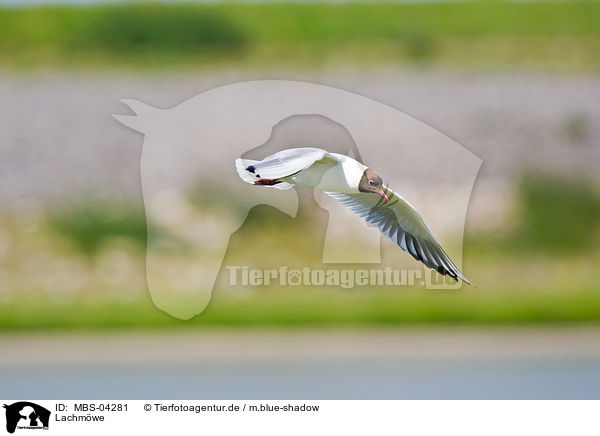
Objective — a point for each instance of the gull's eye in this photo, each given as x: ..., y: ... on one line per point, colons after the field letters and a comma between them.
x: 371, y: 182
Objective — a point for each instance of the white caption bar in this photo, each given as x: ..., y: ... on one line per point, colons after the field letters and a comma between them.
x: 302, y: 417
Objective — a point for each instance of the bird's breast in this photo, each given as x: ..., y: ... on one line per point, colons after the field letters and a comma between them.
x: 341, y: 177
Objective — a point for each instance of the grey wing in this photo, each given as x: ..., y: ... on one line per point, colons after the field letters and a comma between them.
x: 401, y: 223
x: 288, y: 162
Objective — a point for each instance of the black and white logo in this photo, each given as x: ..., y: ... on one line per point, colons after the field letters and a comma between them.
x: 26, y: 415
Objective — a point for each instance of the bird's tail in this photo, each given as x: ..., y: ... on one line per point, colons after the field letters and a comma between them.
x: 244, y: 166
x: 245, y: 175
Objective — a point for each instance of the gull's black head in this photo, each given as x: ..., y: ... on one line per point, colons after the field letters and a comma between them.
x: 371, y: 182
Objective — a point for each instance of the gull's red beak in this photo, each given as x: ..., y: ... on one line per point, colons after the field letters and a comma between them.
x: 382, y: 194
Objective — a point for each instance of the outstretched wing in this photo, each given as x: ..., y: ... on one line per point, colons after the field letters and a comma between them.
x: 282, y: 164
x: 401, y: 223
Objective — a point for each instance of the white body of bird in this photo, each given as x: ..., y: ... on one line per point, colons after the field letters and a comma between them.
x: 341, y: 176
x: 361, y: 190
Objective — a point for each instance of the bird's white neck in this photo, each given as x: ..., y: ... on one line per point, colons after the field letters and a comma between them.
x: 344, y: 177
x: 354, y: 171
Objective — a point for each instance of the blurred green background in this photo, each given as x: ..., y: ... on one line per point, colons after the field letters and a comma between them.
x: 74, y: 258
x: 560, y: 36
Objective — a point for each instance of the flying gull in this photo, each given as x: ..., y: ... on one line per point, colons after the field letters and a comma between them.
x: 361, y: 190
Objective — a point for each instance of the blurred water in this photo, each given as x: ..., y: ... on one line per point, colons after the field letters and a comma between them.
x: 558, y: 378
